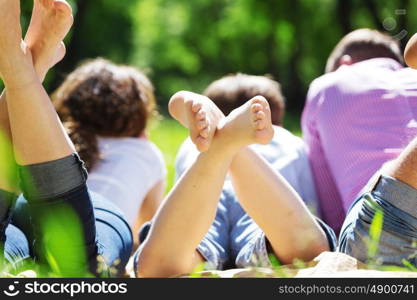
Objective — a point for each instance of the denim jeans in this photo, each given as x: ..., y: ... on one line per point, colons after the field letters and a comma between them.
x: 398, y: 203
x: 57, y: 206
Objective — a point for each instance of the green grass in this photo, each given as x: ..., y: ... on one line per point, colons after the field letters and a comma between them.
x: 168, y: 135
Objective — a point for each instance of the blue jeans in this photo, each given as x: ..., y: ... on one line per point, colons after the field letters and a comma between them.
x: 234, y: 239
x: 398, y: 202
x: 59, y: 224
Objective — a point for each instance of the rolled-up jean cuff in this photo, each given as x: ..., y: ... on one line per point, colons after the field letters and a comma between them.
x: 397, y: 193
x: 52, y: 179
x: 210, y: 254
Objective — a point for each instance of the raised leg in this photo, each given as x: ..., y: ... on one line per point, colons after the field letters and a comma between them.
x: 277, y: 208
x: 52, y: 178
x: 47, y: 49
x: 38, y: 135
x: 274, y: 205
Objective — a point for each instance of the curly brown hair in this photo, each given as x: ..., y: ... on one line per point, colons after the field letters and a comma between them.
x: 103, y: 99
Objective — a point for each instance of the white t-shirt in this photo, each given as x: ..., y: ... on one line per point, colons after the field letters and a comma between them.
x: 287, y: 155
x: 127, y: 170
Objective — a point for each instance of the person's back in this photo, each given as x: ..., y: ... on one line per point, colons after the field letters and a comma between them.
x: 357, y: 118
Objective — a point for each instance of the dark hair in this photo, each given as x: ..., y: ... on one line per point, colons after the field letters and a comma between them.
x: 363, y: 44
x: 102, y: 99
x: 233, y: 91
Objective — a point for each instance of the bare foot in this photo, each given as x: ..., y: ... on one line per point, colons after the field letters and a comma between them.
x: 50, y: 23
x: 199, y: 114
x: 248, y: 124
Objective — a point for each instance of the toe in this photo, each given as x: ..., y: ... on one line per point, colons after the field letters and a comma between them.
x: 205, y: 133
x: 62, y: 6
x: 201, y: 115
x: 259, y: 100
x: 259, y: 116
x: 47, y: 3
x: 260, y: 124
x: 201, y: 124
x: 256, y: 107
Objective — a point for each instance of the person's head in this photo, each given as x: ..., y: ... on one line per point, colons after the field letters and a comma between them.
x: 363, y: 44
x: 232, y: 91
x: 101, y: 99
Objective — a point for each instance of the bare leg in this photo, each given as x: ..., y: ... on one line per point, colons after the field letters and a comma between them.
x: 197, y: 113
x: 189, y: 210
x: 47, y: 50
x: 38, y: 135
x: 277, y: 208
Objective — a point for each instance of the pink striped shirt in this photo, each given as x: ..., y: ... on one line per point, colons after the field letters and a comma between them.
x: 355, y: 120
